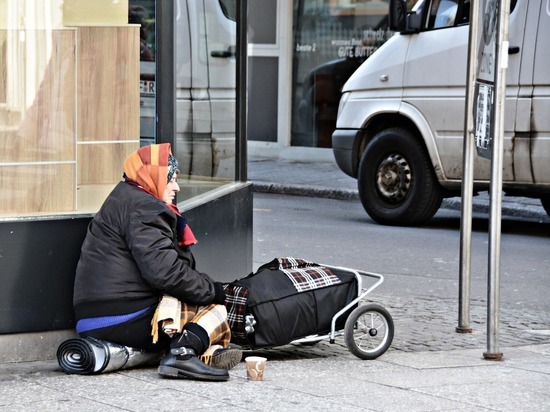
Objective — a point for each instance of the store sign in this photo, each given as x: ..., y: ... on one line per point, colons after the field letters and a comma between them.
x: 147, y: 88
x: 485, y: 80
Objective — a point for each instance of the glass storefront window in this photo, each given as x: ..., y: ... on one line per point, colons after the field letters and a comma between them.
x: 75, y: 101
x: 142, y: 12
x: 205, y: 90
x: 206, y: 95
x: 69, y: 105
x: 331, y: 39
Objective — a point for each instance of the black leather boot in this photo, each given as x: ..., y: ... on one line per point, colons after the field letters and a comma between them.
x: 183, y: 363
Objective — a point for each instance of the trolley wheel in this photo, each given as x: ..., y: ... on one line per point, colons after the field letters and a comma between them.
x: 368, y: 332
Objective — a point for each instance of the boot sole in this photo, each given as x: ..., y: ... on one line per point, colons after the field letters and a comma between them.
x: 170, y: 372
x: 227, y: 359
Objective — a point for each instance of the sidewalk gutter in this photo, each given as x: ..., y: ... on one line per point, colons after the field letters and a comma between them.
x: 481, y: 204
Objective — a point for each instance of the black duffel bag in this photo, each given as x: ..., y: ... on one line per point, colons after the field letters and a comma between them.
x: 287, y: 299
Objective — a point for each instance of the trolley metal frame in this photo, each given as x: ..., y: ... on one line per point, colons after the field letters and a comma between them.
x: 361, y: 293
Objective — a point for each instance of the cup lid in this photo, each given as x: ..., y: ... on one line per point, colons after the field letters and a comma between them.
x: 255, y: 359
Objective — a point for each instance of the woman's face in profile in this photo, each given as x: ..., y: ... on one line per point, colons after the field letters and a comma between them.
x: 172, y: 188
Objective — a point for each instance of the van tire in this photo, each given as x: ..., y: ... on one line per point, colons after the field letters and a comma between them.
x: 545, y: 200
x: 396, y: 181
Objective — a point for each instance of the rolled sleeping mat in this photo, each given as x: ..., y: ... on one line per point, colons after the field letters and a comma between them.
x: 90, y: 356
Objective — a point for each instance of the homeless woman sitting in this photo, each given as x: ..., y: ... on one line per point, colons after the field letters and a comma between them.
x: 137, y: 250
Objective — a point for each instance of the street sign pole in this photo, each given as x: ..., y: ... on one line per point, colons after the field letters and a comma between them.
x: 468, y: 179
x: 485, y: 119
x: 493, y: 287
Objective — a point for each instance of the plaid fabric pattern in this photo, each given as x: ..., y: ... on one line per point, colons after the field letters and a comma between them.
x: 303, y: 274
x: 235, y: 301
x: 306, y: 275
x: 212, y: 318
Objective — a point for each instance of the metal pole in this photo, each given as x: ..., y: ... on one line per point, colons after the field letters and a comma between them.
x: 468, y: 178
x: 242, y: 96
x: 165, y: 77
x: 493, y: 287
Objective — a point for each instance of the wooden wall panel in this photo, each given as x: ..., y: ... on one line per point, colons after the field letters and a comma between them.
x: 108, y: 83
x: 37, y: 189
x: 95, y: 181
x: 91, y: 80
x: 107, y: 168
x: 45, y: 131
x: 108, y: 109
x: 3, y: 73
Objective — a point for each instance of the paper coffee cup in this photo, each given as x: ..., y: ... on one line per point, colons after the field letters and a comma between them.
x: 255, y: 367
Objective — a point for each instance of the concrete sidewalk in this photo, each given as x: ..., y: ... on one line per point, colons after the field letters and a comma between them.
x: 429, y: 367
x: 324, y: 377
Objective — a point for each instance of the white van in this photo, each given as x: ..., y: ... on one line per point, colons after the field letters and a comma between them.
x: 400, y: 123
x: 205, y: 85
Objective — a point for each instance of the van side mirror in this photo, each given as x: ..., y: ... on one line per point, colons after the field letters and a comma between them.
x: 401, y: 20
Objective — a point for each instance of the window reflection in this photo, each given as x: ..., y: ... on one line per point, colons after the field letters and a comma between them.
x: 206, y: 95
x: 72, y: 91
x: 331, y: 40
x: 205, y: 89
x: 142, y: 12
x: 66, y: 107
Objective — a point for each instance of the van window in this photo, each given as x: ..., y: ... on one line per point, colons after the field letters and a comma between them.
x: 443, y: 13
x: 450, y: 13
x: 229, y: 8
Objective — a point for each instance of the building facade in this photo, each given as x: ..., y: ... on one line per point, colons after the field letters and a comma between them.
x: 301, y: 53
x: 82, y: 85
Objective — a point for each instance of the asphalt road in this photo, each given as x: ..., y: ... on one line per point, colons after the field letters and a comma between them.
x: 420, y: 265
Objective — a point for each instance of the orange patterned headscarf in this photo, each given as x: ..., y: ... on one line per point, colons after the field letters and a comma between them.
x: 148, y: 167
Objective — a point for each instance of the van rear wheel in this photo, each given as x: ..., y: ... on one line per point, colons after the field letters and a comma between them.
x: 397, y: 184
x: 545, y: 200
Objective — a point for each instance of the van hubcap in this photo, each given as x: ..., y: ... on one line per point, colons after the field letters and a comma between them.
x: 393, y: 178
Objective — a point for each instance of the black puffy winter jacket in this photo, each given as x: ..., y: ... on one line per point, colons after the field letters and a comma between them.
x: 130, y: 257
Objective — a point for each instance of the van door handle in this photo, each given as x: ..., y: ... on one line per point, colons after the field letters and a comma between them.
x: 513, y: 50
x: 224, y: 54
